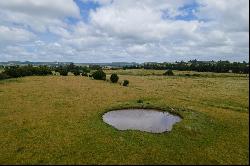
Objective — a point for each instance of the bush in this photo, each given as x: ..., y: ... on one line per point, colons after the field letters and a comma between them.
x: 21, y: 71
x: 196, y: 75
x: 114, y: 78
x: 63, y: 72
x: 169, y: 73
x: 12, y: 71
x: 95, y: 67
x: 42, y: 70
x: 85, y: 74
x: 125, y: 83
x: 4, y: 76
x: 76, y: 72
x: 84, y: 69
x: 99, y: 75
x: 139, y: 101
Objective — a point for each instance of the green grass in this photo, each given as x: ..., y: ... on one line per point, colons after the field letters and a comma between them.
x: 57, y: 120
x: 150, y: 72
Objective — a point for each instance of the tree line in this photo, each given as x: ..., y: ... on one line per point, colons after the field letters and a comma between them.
x: 200, y: 66
x: 21, y: 71
x: 193, y: 65
x: 29, y: 70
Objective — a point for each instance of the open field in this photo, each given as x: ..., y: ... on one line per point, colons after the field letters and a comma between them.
x: 148, y: 72
x: 57, y: 120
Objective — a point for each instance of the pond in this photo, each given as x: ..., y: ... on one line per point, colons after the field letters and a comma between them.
x: 148, y: 120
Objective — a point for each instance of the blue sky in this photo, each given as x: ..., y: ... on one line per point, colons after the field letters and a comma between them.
x: 124, y: 30
x: 85, y: 7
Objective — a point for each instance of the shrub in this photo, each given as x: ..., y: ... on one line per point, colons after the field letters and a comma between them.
x: 42, y: 70
x: 139, y: 101
x: 99, y: 75
x: 125, y: 83
x: 114, y: 78
x: 12, y: 71
x: 63, y: 72
x: 196, y: 75
x: 169, y: 73
x: 71, y: 67
x: 76, y: 72
x: 84, y: 69
x: 84, y: 74
x: 95, y: 67
x: 4, y: 76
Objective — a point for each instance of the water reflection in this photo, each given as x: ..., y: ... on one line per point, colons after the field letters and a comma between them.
x: 141, y: 119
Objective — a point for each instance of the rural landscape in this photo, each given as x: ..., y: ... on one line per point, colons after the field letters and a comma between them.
x: 95, y: 92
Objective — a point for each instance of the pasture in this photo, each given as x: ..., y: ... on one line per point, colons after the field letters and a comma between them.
x: 58, y: 120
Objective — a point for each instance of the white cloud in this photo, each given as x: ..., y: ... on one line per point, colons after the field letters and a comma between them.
x: 37, y: 14
x: 140, y: 19
x: 230, y: 15
x: 44, y: 8
x: 142, y: 30
x: 138, y: 49
x: 9, y: 35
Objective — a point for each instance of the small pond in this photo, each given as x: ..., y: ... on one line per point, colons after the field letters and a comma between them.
x: 148, y: 120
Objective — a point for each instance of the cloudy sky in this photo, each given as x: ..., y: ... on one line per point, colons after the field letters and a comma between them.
x: 124, y: 30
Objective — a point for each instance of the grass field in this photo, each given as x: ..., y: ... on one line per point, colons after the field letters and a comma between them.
x: 57, y: 120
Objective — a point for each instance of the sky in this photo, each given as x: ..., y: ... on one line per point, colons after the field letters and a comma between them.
x: 124, y: 30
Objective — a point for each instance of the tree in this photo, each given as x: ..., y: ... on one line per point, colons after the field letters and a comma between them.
x: 114, y: 78
x: 95, y: 67
x: 4, y: 76
x: 21, y: 71
x: 99, y: 75
x: 84, y: 69
x: 76, y: 72
x: 125, y: 83
x: 84, y: 74
x: 71, y: 67
x: 63, y: 72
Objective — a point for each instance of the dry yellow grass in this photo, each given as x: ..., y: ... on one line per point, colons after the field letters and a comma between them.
x: 57, y: 120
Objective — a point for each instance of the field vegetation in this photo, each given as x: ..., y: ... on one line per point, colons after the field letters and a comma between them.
x: 58, y: 120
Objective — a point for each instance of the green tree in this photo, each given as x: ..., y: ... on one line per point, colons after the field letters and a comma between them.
x: 63, y: 72
x: 114, y: 78
x: 99, y: 75
x: 125, y: 83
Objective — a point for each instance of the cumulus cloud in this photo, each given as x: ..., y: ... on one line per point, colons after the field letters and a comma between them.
x: 140, y: 19
x: 14, y: 35
x: 44, y: 8
x: 228, y: 15
x: 37, y: 14
x: 115, y: 30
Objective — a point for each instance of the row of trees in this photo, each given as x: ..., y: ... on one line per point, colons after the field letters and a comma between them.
x: 29, y: 70
x: 200, y: 66
x: 21, y: 71
x: 76, y: 70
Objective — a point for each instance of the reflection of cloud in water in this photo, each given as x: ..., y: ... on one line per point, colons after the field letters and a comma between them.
x: 141, y: 119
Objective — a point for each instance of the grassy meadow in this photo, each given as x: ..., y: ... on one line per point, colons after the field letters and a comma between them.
x: 58, y: 120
